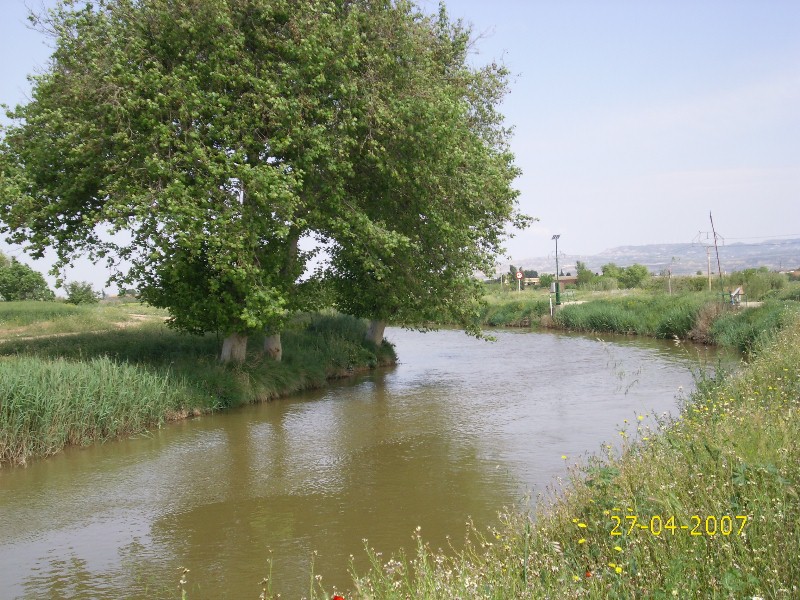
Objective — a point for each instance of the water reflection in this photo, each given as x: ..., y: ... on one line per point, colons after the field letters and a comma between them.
x: 460, y: 428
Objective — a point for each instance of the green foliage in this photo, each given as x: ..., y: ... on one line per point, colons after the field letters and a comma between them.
x: 433, y: 178
x: 217, y: 134
x: 792, y: 292
x: 545, y: 280
x: 634, y: 276
x: 512, y: 312
x: 81, y: 292
x: 747, y: 329
x: 585, y: 275
x: 757, y: 283
x: 680, y: 284
x: 658, y: 316
x: 611, y: 270
x: 19, y: 282
x: 628, y: 277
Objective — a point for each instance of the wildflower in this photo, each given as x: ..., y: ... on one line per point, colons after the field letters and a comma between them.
x: 618, y: 569
x: 575, y: 578
x: 582, y: 541
x: 337, y: 597
x: 617, y: 548
x: 640, y: 417
x: 582, y: 525
x: 564, y: 456
x: 588, y: 573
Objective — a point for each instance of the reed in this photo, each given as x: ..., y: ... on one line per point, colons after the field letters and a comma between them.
x: 746, y: 329
x: 657, y: 315
x: 509, y: 311
x: 47, y: 404
x: 61, y: 390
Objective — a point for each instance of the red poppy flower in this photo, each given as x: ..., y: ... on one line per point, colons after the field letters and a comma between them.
x: 588, y: 574
x: 338, y: 598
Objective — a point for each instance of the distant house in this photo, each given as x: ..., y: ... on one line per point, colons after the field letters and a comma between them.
x: 568, y: 279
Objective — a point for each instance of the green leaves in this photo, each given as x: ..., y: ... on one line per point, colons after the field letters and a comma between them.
x: 214, y: 135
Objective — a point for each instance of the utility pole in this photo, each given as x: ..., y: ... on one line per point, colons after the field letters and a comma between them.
x: 706, y: 239
x: 716, y: 249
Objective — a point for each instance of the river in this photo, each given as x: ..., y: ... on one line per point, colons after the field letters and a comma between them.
x: 459, y: 429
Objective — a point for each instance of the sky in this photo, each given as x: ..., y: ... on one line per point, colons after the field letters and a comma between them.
x: 633, y: 119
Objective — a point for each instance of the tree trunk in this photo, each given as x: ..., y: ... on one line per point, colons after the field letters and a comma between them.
x: 272, y: 346
x: 234, y: 348
x: 375, y: 331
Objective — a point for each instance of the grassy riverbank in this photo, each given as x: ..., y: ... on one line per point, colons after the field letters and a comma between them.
x: 78, y: 388
x: 703, y: 506
x: 697, y: 316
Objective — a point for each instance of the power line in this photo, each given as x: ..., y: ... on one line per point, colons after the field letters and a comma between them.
x: 766, y: 237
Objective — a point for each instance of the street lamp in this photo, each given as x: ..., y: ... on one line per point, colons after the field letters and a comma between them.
x: 558, y: 291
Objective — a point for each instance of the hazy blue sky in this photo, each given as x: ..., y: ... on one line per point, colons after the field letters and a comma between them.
x: 633, y: 119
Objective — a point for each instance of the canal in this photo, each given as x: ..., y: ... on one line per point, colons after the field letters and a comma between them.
x: 458, y: 430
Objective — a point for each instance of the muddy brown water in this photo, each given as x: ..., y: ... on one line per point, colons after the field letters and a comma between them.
x: 459, y: 429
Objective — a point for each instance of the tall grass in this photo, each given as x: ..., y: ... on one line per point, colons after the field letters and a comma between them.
x: 658, y: 315
x: 705, y: 505
x: 48, y: 404
x: 74, y: 389
x: 746, y: 329
x: 507, y: 310
x: 17, y: 314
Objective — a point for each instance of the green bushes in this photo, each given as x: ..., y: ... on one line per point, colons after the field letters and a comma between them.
x: 19, y: 282
x: 757, y: 283
x: 694, y: 316
x: 791, y: 292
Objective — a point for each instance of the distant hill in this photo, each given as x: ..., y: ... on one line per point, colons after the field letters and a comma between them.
x: 686, y: 259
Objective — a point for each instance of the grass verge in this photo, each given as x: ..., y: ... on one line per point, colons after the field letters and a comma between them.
x: 59, y: 390
x: 30, y: 318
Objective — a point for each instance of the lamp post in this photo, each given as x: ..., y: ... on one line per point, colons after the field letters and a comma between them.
x: 558, y: 291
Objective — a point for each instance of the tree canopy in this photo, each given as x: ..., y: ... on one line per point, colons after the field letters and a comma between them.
x: 199, y: 141
x: 434, y: 178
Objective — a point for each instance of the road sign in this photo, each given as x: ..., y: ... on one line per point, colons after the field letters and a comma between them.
x: 519, y: 275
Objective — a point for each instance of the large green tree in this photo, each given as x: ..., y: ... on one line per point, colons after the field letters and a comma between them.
x: 19, y: 282
x: 432, y: 177
x: 211, y: 133
x: 198, y: 141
